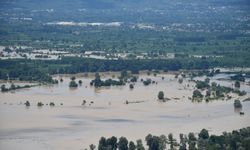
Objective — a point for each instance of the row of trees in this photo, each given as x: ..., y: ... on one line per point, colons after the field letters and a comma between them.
x: 237, y: 139
x: 124, y: 78
x: 14, y: 87
x: 97, y: 82
x: 40, y: 70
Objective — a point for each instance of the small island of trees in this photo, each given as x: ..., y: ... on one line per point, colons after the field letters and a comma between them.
x: 214, y: 91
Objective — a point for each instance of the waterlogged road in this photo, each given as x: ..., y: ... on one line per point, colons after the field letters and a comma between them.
x: 73, y: 126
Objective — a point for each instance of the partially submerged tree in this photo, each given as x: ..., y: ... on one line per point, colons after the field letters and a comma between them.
x: 161, y: 95
x: 237, y: 104
x: 92, y: 147
x: 237, y: 84
x: 197, y: 94
x: 27, y: 103
x: 73, y: 84
x: 131, y: 86
x: 3, y: 88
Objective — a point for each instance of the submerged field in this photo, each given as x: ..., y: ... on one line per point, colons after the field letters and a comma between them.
x: 70, y: 125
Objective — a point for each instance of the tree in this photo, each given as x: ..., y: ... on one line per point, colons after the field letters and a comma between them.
x: 197, y: 94
x: 92, y: 147
x: 204, y: 134
x: 102, y: 144
x: 124, y: 74
x: 153, y: 142
x: 73, y: 84
x: 52, y: 104
x: 163, y: 142
x: 139, y: 145
x: 203, y: 139
x: 180, y: 80
x: 112, y: 143
x: 133, y: 79
x: 191, y: 141
x: 12, y: 87
x: 147, y: 82
x: 161, y: 95
x: 73, y: 78
x: 97, y: 81
x: 171, y: 141
x: 237, y: 104
x: 202, y: 84
x: 183, y: 142
x: 207, y: 80
x: 148, y: 139
x: 238, y: 77
x: 132, y: 145
x: 123, y: 143
x: 40, y: 104
x: 131, y: 86
x: 3, y: 88
x: 80, y: 82
x: 97, y: 76
x: 237, y: 139
x: 237, y: 84
x: 27, y: 103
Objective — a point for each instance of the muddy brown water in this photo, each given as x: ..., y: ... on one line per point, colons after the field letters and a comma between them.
x: 73, y: 126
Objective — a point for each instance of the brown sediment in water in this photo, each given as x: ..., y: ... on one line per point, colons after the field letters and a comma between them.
x: 73, y: 126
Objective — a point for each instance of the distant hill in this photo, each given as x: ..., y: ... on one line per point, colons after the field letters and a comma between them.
x: 111, y: 4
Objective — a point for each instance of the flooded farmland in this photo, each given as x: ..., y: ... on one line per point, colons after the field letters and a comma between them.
x: 71, y: 125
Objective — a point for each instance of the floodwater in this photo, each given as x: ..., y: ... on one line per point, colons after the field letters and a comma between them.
x: 73, y: 126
